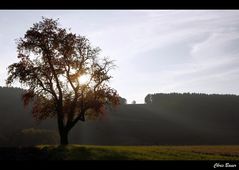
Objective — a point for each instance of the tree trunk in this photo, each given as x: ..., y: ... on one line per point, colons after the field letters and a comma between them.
x: 64, y: 137
x: 63, y: 132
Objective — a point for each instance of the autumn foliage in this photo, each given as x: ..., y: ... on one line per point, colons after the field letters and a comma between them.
x: 52, y: 60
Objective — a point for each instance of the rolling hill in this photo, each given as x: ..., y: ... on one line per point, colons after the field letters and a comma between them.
x: 193, y: 119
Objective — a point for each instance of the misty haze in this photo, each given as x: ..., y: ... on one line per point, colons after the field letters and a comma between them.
x: 121, y: 85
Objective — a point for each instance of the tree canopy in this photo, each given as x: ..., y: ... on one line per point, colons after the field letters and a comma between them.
x: 52, y: 62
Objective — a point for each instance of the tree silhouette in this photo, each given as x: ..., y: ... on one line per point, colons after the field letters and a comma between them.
x: 148, y: 99
x: 122, y: 101
x: 52, y: 63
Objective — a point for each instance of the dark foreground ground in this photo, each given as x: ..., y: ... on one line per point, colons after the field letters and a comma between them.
x: 87, y: 152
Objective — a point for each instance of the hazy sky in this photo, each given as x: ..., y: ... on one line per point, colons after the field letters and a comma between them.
x: 155, y: 51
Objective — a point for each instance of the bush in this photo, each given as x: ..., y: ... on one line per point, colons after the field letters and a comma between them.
x: 31, y: 136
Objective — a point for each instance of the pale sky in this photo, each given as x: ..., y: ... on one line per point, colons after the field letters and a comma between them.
x: 156, y: 51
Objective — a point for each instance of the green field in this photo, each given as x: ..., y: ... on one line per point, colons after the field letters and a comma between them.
x: 88, y: 152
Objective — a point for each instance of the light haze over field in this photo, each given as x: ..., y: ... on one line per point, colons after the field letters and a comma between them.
x: 155, y: 51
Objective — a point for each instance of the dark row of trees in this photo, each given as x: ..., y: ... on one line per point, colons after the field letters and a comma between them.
x: 187, y: 97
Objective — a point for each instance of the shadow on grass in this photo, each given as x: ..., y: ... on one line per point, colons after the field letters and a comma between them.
x: 22, y: 153
x: 79, y: 152
x: 84, y: 153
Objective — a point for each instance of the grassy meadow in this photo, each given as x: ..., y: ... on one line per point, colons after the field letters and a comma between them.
x: 93, y: 152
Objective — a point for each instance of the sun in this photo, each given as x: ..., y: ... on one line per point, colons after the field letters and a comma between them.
x: 85, y: 78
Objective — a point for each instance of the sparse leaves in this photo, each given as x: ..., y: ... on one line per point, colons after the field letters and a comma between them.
x: 51, y: 62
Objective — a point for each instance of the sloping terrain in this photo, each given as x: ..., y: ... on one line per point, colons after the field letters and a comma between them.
x: 197, y: 121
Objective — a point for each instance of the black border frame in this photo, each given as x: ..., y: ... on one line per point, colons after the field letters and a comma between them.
x: 119, y: 4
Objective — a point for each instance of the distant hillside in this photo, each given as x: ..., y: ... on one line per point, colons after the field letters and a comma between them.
x: 166, y: 119
x: 15, y: 120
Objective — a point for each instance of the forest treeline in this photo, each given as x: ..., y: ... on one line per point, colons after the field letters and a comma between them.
x: 164, y: 119
x: 194, y: 101
x: 172, y: 98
